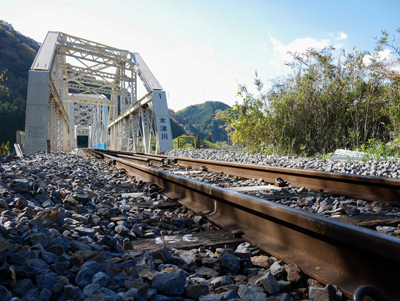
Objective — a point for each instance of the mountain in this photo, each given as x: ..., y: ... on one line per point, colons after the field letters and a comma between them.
x: 17, y: 53
x: 199, y: 119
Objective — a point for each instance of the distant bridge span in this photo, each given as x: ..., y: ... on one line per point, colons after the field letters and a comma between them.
x: 78, y: 87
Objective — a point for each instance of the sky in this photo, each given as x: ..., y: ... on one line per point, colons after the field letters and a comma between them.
x: 200, y: 50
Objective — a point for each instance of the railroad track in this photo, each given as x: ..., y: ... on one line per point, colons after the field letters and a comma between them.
x: 328, y: 250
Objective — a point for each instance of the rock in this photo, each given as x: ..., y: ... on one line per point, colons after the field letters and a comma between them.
x: 229, y: 295
x: 178, y: 221
x: 313, y: 282
x: 277, y: 270
x: 48, y: 204
x: 252, y: 293
x: 22, y: 287
x: 93, y: 265
x: 91, y: 289
x: 45, y: 219
x: 79, y: 246
x: 107, y: 294
x: 17, y: 259
x: 5, y: 272
x: 101, y: 279
x: 293, y: 273
x: 84, y: 277
x: 352, y: 211
x: 82, y: 198
x: 40, y: 238
x: 207, y: 272
x: 3, y: 203
x: 117, y: 281
x: 95, y: 297
x: 177, y: 261
x: 127, y: 244
x: 5, y: 294
x: 23, y: 183
x: 196, y: 290
x: 72, y: 293
x: 137, y: 231
x: 41, y: 198
x: 84, y: 231
x: 201, y: 280
x: 327, y: 293
x: 280, y: 297
x: 269, y: 283
x: 58, y: 249
x: 210, y: 262
x: 169, y: 283
x: 122, y: 230
x: 80, y: 218
x: 47, y: 281
x: 221, y: 281
x: 77, y: 258
x: 70, y: 200
x: 385, y: 229
x: 32, y: 294
x: 230, y: 261
x: 36, y: 267
x: 131, y: 294
x: 157, y: 297
x: 20, y: 203
x: 137, y: 284
x: 4, y: 244
x: 226, y: 288
x: 45, y: 295
x: 284, y: 286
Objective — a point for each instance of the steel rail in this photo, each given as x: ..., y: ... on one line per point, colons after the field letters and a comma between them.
x: 137, y: 158
x: 328, y: 250
x: 356, y: 186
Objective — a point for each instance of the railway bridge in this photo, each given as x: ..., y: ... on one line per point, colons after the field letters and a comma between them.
x: 83, y: 89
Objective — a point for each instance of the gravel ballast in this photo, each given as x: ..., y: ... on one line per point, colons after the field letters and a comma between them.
x: 69, y: 227
x: 388, y: 169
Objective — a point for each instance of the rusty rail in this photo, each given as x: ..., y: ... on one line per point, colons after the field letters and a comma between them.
x: 328, y: 250
x: 364, y: 187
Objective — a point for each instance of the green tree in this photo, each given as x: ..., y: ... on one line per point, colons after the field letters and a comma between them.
x: 327, y: 102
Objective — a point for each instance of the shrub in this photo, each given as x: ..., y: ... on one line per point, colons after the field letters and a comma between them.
x: 326, y: 103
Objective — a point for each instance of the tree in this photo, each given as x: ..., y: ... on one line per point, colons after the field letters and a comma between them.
x: 327, y: 102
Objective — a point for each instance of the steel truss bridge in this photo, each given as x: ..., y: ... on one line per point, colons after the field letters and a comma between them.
x: 79, y: 87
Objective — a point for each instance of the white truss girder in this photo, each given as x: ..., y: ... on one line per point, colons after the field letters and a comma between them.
x: 81, y: 71
x: 80, y: 87
x: 87, y: 99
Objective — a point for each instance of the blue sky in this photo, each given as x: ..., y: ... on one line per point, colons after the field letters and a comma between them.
x: 201, y: 50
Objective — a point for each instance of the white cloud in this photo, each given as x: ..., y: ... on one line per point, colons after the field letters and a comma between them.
x: 338, y: 36
x: 281, y: 51
x: 195, y: 75
x: 209, y: 49
x: 342, y: 36
x: 384, y: 55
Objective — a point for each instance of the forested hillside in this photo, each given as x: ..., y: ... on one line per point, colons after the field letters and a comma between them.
x: 17, y: 53
x: 200, y: 119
